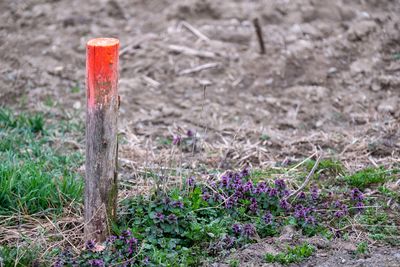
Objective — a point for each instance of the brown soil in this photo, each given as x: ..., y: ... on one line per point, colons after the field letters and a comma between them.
x: 328, y: 253
x: 330, y: 77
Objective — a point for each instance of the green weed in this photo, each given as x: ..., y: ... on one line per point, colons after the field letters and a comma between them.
x: 367, y: 177
x: 75, y: 89
x: 19, y: 256
x: 291, y: 255
x: 362, y: 247
x: 327, y: 166
x: 380, y: 226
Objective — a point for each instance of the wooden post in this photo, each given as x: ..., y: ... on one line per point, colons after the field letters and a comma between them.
x: 259, y: 34
x: 101, y: 137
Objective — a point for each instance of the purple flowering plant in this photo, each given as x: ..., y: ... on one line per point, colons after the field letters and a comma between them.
x: 228, y: 212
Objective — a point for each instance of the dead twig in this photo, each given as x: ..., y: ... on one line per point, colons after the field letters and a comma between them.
x: 200, y: 68
x: 195, y: 31
x: 191, y: 52
x: 308, y: 178
x: 259, y: 35
x: 136, y: 43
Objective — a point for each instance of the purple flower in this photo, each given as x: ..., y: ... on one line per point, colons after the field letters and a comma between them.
x: 345, y: 208
x: 190, y: 181
x: 342, y: 212
x: 314, y: 193
x: 337, y: 233
x: 217, y: 197
x: 360, y: 206
x: 133, y: 241
x: 126, y: 233
x: 356, y: 194
x: 132, y: 244
x: 225, y: 180
x: 96, y: 263
x: 237, y: 228
x: 310, y: 220
x: 248, y: 187
x: 245, y: 172
x: 280, y: 184
x: 285, y: 193
x: 172, y: 218
x: 206, y: 196
x: 249, y: 230
x: 111, y: 239
x: 190, y: 133
x: 253, y: 206
x: 90, y: 244
x: 160, y: 217
x: 339, y: 214
x: 261, y: 188
x: 301, y: 195
x: 166, y: 200
x: 337, y: 204
x: 229, y: 203
x: 267, y: 218
x: 145, y: 260
x: 177, y: 140
x: 273, y: 192
x: 58, y: 263
x: 177, y: 204
x: 301, y: 212
x: 284, y: 205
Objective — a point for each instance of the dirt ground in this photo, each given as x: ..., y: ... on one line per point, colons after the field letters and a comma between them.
x: 329, y: 77
x: 329, y: 253
x: 329, y: 80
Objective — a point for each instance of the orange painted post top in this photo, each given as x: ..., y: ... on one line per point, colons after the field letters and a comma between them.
x: 101, y: 71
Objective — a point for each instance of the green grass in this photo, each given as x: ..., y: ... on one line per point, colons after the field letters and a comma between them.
x: 75, y: 89
x: 362, y: 248
x: 380, y: 226
x: 295, y: 254
x: 327, y: 166
x: 389, y: 193
x: 367, y: 177
x: 34, y: 177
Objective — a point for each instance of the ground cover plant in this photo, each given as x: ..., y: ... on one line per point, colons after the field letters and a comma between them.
x: 204, y: 219
x: 291, y: 255
x: 208, y: 219
x: 33, y: 176
x: 38, y: 181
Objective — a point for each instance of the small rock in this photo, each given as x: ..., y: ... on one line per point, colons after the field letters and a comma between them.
x: 363, y: 65
x: 343, y: 261
x: 319, y: 123
x: 388, y: 106
x: 376, y: 86
x: 299, y: 47
x: 360, y: 30
x: 77, y: 105
x: 57, y: 70
x: 332, y: 70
